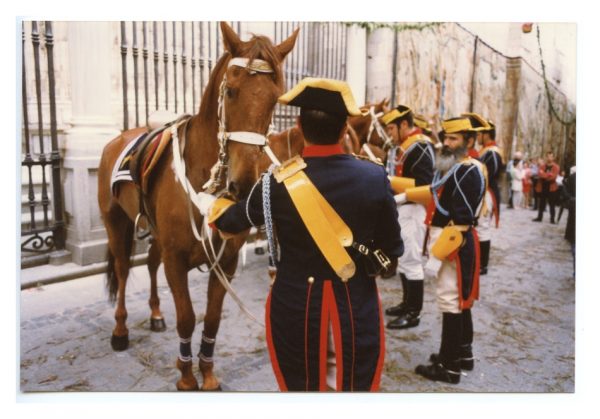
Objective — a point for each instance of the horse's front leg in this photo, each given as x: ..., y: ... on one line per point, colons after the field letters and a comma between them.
x: 212, y: 319
x: 177, y: 277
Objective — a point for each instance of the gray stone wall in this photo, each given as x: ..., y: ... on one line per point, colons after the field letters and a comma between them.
x: 439, y: 76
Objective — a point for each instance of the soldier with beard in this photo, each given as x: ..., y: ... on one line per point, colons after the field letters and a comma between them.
x: 455, y: 196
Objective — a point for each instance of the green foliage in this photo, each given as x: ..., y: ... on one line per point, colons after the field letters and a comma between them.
x: 395, y: 26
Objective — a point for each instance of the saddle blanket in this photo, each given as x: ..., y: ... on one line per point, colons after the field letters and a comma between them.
x: 121, y: 172
x: 151, y: 155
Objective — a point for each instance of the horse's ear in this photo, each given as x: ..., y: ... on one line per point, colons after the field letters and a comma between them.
x: 231, y: 41
x: 286, y: 46
x: 385, y: 103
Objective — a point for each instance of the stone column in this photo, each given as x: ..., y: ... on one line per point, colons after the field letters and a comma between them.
x: 380, y: 54
x: 356, y: 62
x: 92, y: 125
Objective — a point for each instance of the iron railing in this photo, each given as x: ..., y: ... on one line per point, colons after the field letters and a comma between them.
x: 42, y: 225
x: 184, y: 53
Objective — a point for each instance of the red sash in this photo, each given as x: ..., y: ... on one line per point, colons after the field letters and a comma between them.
x: 495, y: 207
x: 474, y: 295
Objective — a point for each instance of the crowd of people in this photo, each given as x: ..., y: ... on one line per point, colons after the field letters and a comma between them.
x: 341, y: 221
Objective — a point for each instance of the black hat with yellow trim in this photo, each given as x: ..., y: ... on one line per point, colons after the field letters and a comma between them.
x: 478, y: 122
x: 398, y: 112
x: 327, y: 95
x: 460, y: 124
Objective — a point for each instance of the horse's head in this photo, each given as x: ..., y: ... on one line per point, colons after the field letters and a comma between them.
x: 252, y: 82
x: 368, y: 127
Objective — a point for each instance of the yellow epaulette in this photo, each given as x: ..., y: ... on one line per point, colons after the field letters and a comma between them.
x: 367, y: 158
x: 492, y: 148
x: 414, y: 139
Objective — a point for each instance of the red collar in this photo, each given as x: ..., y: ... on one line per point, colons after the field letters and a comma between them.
x: 473, y: 153
x: 322, y: 150
x: 490, y: 144
x: 415, y: 131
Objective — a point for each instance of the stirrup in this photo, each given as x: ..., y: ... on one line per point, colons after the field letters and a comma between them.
x: 140, y: 235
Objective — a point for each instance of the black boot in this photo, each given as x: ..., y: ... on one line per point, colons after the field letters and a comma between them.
x: 401, y: 308
x: 447, y: 365
x: 411, y: 317
x: 467, y: 362
x: 484, y: 256
x: 465, y: 351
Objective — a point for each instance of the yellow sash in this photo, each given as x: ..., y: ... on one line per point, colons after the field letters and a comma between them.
x: 328, y: 230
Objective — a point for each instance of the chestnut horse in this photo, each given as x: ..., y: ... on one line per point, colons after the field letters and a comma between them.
x: 227, y: 136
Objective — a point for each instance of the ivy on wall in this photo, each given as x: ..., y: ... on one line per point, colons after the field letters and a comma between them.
x: 397, y: 27
x: 547, y: 87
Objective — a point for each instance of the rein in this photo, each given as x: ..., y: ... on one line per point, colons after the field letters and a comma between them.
x: 376, y: 126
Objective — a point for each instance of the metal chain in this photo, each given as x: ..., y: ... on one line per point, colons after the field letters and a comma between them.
x: 266, y: 195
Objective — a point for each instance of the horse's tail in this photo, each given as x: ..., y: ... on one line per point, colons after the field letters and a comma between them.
x: 112, y: 281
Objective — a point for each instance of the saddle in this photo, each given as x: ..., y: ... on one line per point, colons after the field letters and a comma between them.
x: 137, y: 163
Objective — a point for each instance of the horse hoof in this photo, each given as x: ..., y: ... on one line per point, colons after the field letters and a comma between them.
x: 157, y: 325
x: 259, y: 251
x: 119, y: 343
x: 218, y: 388
x: 183, y: 387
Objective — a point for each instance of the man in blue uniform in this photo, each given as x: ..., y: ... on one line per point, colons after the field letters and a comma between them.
x: 456, y: 194
x: 304, y: 201
x: 490, y: 155
x: 412, y: 166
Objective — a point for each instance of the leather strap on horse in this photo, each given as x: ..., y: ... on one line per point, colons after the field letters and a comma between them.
x: 326, y: 227
x: 139, y: 172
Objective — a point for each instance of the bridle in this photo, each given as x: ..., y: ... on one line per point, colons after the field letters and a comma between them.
x: 218, y: 171
x: 223, y: 136
x: 377, y: 127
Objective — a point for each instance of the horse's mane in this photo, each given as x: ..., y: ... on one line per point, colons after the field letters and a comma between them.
x: 259, y: 47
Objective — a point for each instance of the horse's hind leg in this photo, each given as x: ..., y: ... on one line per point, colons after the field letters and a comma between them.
x: 157, y: 321
x: 212, y: 320
x: 177, y: 277
x: 119, y: 229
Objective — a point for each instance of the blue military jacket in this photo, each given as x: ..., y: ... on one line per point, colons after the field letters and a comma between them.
x: 461, y: 195
x: 307, y: 295
x: 418, y: 162
x: 358, y: 190
x: 493, y: 162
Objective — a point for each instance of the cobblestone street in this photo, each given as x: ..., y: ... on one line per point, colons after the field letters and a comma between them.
x: 524, y: 327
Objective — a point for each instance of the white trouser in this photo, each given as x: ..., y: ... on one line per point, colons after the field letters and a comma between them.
x: 411, y: 218
x: 486, y: 222
x: 518, y: 199
x: 446, y: 281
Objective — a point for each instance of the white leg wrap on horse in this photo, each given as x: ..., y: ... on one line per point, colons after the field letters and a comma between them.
x: 207, y: 348
x: 185, y: 350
